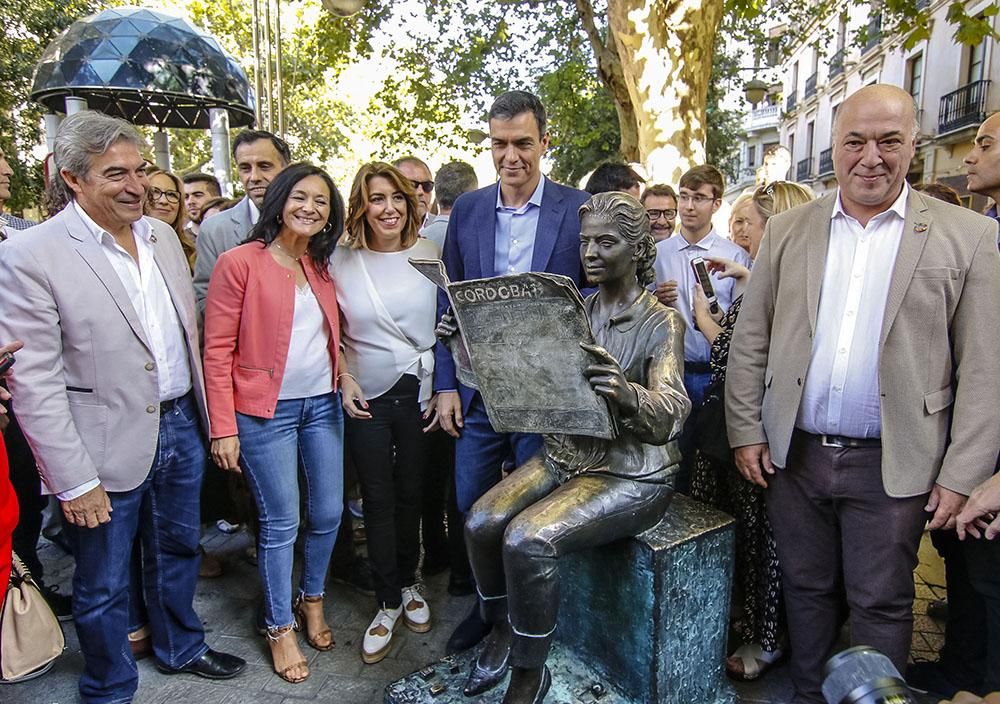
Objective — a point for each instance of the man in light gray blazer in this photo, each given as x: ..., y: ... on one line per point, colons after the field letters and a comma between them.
x: 259, y: 157
x: 111, y: 397
x: 861, y: 385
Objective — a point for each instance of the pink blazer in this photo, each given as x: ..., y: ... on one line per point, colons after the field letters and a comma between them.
x: 248, y: 326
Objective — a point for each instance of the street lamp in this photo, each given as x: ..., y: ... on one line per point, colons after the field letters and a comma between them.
x: 755, y: 90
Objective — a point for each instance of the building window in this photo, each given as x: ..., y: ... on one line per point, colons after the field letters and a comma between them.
x: 791, y: 146
x: 915, y: 77
x: 977, y: 61
x: 752, y: 155
x: 810, y: 134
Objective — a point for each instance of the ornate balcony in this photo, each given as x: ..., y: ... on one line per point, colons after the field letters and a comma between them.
x: 825, y: 162
x: 810, y: 90
x: 837, y: 62
x: 873, y: 33
x: 963, y: 107
x: 803, y: 170
x: 791, y: 102
x: 762, y: 118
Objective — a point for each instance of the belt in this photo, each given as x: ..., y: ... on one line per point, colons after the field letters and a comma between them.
x: 843, y: 441
x: 171, y: 405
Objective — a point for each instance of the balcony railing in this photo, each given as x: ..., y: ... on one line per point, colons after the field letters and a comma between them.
x: 763, y: 118
x: 837, y: 62
x: 825, y: 162
x: 873, y: 32
x: 810, y: 90
x: 803, y: 170
x: 791, y: 102
x: 963, y: 107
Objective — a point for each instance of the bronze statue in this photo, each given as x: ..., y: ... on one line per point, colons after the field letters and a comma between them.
x: 583, y: 491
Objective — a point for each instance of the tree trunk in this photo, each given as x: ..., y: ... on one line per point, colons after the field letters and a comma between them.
x: 664, y: 52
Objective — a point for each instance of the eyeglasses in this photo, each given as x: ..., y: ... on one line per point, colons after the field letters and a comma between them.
x: 697, y: 199
x: 427, y: 186
x: 655, y: 214
x: 172, y: 196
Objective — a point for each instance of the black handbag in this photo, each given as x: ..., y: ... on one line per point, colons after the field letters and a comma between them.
x: 710, y: 436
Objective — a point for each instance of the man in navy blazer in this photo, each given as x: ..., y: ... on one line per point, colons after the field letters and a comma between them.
x: 523, y: 223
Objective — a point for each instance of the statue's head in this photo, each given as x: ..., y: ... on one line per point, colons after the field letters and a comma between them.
x: 615, y: 239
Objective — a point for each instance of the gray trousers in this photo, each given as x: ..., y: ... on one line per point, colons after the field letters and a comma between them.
x: 518, y: 530
x: 837, y: 531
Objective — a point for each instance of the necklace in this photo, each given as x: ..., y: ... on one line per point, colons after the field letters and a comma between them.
x: 287, y: 253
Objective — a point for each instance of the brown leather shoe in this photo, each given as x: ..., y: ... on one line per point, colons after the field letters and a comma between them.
x: 141, y: 647
x: 210, y: 566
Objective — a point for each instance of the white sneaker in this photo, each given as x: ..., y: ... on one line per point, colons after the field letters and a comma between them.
x: 416, y: 613
x: 379, y: 635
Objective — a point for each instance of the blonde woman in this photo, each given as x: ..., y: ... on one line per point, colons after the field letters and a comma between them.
x: 388, y: 311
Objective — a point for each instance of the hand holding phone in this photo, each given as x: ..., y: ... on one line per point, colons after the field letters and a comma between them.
x: 701, y: 272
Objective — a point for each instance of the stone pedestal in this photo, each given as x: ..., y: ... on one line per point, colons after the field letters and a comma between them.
x: 642, y: 620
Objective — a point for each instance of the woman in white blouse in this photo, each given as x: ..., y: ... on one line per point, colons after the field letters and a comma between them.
x: 388, y: 311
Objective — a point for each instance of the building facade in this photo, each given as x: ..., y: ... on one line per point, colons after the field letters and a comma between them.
x: 950, y: 84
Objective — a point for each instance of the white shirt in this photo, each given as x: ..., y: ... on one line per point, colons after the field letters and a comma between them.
x: 308, y: 369
x: 151, y: 301
x: 673, y: 262
x: 841, y: 391
x: 254, y: 212
x: 388, y: 311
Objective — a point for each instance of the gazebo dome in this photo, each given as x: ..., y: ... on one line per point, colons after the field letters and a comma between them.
x: 146, y: 67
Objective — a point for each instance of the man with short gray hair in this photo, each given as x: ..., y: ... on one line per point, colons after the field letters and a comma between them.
x: 111, y: 398
x: 452, y: 180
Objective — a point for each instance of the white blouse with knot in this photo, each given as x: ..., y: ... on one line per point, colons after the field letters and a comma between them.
x: 388, y: 311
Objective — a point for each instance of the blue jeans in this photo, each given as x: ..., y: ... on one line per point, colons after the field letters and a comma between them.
x: 480, y: 452
x: 305, y: 436
x: 164, y: 512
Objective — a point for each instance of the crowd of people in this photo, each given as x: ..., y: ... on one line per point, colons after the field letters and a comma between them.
x: 837, y: 363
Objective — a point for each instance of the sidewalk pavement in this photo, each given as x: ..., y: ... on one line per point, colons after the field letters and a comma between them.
x: 227, y: 606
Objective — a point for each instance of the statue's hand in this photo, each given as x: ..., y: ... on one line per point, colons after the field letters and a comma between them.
x: 608, y: 380
x: 446, y: 327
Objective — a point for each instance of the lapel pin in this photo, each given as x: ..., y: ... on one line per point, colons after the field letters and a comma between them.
x: 920, y: 227
x: 152, y: 238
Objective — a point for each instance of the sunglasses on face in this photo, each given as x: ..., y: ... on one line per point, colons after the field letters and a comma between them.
x: 426, y: 186
x: 655, y: 214
x: 172, y: 196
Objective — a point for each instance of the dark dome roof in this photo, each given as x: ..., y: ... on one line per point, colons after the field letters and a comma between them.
x: 146, y: 67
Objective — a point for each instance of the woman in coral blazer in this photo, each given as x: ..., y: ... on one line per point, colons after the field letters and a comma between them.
x: 8, y: 499
x: 272, y: 340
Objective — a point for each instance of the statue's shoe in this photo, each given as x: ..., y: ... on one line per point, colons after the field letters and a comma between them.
x: 543, y: 688
x: 482, y: 679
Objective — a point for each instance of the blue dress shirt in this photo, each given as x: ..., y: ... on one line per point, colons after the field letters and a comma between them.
x: 515, y: 237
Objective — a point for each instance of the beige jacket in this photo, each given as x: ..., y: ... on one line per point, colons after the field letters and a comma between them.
x: 938, y: 353
x: 85, y: 384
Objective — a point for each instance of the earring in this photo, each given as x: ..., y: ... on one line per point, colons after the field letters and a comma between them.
x: 277, y: 219
x: 327, y: 227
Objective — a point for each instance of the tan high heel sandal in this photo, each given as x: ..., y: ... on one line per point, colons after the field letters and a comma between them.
x: 314, y: 640
x: 273, y: 637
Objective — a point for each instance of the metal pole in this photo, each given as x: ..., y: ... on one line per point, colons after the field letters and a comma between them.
x: 277, y: 71
x: 258, y: 83
x: 267, y: 71
x: 219, y: 119
x: 161, y: 149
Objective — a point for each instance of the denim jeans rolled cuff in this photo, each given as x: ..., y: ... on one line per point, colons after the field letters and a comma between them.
x: 305, y: 438
x: 163, y: 512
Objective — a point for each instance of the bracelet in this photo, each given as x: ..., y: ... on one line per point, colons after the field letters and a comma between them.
x: 347, y: 374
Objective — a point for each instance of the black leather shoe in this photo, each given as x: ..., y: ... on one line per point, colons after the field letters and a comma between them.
x: 468, y: 633
x: 544, y: 682
x: 461, y: 586
x: 482, y: 680
x: 212, y: 665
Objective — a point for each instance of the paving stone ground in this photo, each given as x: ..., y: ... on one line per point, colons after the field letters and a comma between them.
x: 226, y: 606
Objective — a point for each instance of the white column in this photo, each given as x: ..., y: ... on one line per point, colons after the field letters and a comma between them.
x: 161, y: 149
x: 51, y: 122
x: 219, y: 119
x: 75, y: 105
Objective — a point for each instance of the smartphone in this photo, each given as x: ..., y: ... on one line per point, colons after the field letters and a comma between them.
x: 6, y: 362
x: 701, y: 271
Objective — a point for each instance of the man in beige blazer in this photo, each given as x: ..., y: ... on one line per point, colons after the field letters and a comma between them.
x: 111, y: 397
x: 861, y: 386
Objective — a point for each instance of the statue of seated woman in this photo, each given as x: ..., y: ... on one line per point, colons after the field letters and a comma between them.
x: 581, y: 492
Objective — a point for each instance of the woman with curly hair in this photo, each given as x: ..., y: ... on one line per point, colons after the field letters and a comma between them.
x: 163, y: 202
